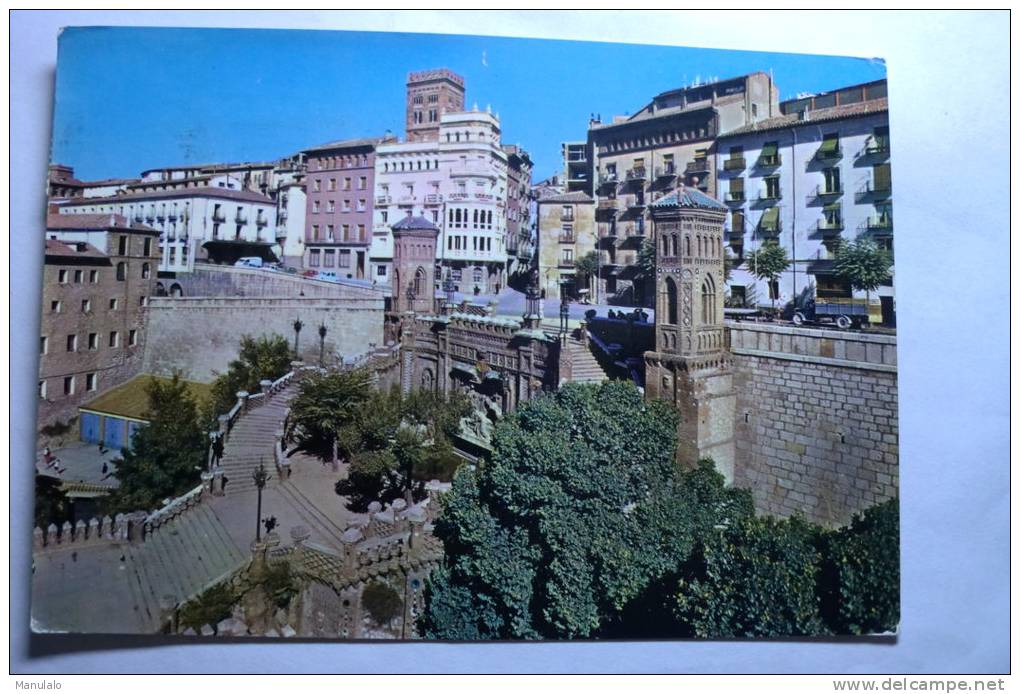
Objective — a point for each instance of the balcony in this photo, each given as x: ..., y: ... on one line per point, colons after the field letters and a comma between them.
x: 769, y: 161
x: 407, y: 200
x: 383, y: 199
x: 877, y: 226
x: 240, y: 218
x: 826, y: 191
x: 829, y: 153
x: 433, y: 199
x: 485, y: 196
x: 770, y: 196
x: 828, y: 227
x: 566, y: 216
x: 566, y: 262
x: 567, y: 238
x: 697, y: 166
x: 219, y: 217
x: 636, y: 174
x: 868, y: 191
x: 282, y: 215
x: 736, y: 197
x: 878, y: 148
x: 458, y: 196
x: 608, y: 179
x: 261, y: 221
x: 171, y: 216
x: 607, y: 204
x: 636, y: 204
x: 734, y: 164
x: 610, y: 233
x: 769, y: 231
x: 138, y: 217
x: 666, y: 171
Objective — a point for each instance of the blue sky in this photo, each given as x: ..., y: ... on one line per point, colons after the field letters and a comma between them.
x: 132, y: 99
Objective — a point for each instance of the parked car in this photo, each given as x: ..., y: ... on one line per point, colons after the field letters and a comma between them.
x: 250, y: 261
x: 327, y: 276
x: 843, y: 312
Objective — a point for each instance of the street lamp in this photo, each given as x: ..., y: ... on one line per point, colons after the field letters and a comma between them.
x: 564, y: 314
x: 297, y: 332
x: 261, y: 477
x: 322, y: 345
x: 410, y: 298
x: 448, y: 288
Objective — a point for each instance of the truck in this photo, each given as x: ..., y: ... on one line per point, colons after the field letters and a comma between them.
x: 845, y: 313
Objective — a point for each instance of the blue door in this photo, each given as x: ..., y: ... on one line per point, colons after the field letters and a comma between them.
x: 113, y: 434
x: 89, y: 427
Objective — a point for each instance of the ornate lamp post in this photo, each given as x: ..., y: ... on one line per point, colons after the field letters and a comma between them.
x: 297, y: 333
x: 322, y: 345
x: 564, y: 314
x: 261, y: 477
x: 410, y: 298
x: 448, y: 288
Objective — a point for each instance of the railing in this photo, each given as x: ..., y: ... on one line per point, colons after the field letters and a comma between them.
x: 383, y: 199
x: 261, y: 221
x: 458, y: 196
x: 697, y: 166
x: 240, y: 218
x: 407, y: 200
x: 566, y: 238
x: 666, y: 171
x: 484, y: 196
x: 607, y: 178
x: 566, y: 216
x: 636, y: 203
x: 95, y: 531
x: 734, y: 164
x: 874, y: 148
x: 607, y: 204
x: 770, y: 231
x: 736, y: 196
x: 829, y: 154
x: 636, y: 174
x: 219, y: 217
x: 868, y: 190
x: 823, y: 190
x: 876, y: 225
x: 769, y: 196
x: 175, y: 508
x: 828, y: 227
x: 433, y: 199
x: 564, y: 262
x: 769, y: 161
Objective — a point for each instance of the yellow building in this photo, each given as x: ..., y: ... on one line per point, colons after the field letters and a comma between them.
x: 566, y: 235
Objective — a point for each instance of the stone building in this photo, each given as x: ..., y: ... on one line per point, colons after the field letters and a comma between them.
x: 414, y: 263
x: 636, y: 159
x: 98, y: 276
x: 690, y: 366
x: 806, y: 179
x: 430, y: 94
x: 566, y: 234
x: 519, y: 245
x: 338, y: 218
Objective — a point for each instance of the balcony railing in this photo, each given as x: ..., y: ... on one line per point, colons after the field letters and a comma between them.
x: 874, y: 148
x: 458, y: 196
x: 433, y: 199
x: 826, y: 191
x: 282, y: 215
x: 736, y: 196
x: 734, y: 164
x: 830, y: 154
x: 407, y: 200
x: 636, y: 204
x: 383, y: 199
x: 876, y: 225
x: 769, y: 161
x: 768, y: 232
x: 636, y: 174
x: 484, y: 196
x: 261, y: 221
x: 607, y: 204
x: 665, y: 171
x: 138, y: 216
x: 828, y: 227
x: 610, y: 233
x: 868, y: 190
x: 697, y: 166
x: 607, y: 178
x: 566, y: 262
x: 770, y: 195
x: 566, y: 216
x: 566, y: 238
x: 219, y: 217
x: 240, y: 218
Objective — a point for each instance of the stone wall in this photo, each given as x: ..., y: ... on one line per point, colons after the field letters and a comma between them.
x: 200, y: 336
x: 816, y: 417
x: 224, y: 280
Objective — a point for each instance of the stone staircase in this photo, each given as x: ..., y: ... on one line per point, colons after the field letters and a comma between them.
x: 178, y: 560
x: 252, y: 441
x: 585, y: 368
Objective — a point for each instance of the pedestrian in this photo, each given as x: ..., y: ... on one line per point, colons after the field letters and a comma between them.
x: 106, y: 468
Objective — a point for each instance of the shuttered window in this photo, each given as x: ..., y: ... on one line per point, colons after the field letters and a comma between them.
x: 883, y: 181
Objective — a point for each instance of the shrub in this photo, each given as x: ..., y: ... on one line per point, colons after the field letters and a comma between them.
x: 382, y: 602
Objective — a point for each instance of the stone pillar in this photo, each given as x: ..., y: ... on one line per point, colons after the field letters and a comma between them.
x: 242, y: 396
x: 208, y: 479
x: 264, y: 385
x: 217, y: 483
x: 136, y: 526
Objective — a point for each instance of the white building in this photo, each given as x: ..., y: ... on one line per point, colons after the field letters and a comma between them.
x: 816, y: 174
x: 460, y: 184
x: 204, y: 223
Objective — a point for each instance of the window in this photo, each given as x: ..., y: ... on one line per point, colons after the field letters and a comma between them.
x: 769, y: 154
x: 121, y: 272
x: 345, y: 259
x: 55, y: 306
x: 78, y: 275
x: 315, y: 206
x: 829, y: 148
x: 145, y: 271
x: 362, y: 182
x: 44, y: 344
x: 114, y: 339
x: 831, y: 180
x: 113, y: 304
x: 86, y: 305
x: 736, y: 189
x: 568, y: 256
x: 316, y: 185
x: 331, y: 206
x: 62, y: 276
x: 347, y: 206
x: 330, y: 233
x: 142, y: 301
x: 772, y: 191
x: 72, y: 343
x: 93, y: 341
x: 879, y: 141
x: 361, y: 231
x: 671, y: 301
x: 132, y: 337
x: 361, y: 204
x: 122, y: 245
x: 90, y: 381
x: 380, y: 270
x: 94, y: 276
x: 347, y: 183
x: 69, y: 385
x: 147, y: 247
x: 882, y: 178
x: 332, y: 184
x: 329, y: 258
x: 568, y: 212
x: 313, y: 258
x: 315, y: 232
x: 42, y: 389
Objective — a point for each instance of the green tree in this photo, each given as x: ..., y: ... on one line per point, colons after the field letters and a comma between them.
x: 166, y: 455
x: 755, y: 578
x: 261, y: 358
x: 861, y: 572
x: 579, y: 510
x: 863, y: 264
x: 51, y: 503
x: 587, y: 267
x: 382, y: 602
x: 767, y: 263
x: 322, y: 412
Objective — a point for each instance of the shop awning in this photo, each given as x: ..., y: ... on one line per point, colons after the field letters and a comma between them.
x: 770, y: 149
x: 830, y: 145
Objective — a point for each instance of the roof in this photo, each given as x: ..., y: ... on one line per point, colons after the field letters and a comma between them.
x: 349, y: 144
x: 200, y: 192
x: 418, y: 223
x: 62, y: 249
x: 578, y: 196
x: 130, y: 400
x: 93, y: 222
x: 821, y: 115
x: 688, y: 198
x: 645, y: 114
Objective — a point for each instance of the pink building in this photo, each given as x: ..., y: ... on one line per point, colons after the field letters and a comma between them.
x: 338, y: 220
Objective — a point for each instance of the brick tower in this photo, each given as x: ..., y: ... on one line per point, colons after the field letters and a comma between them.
x: 430, y: 94
x: 690, y: 366
x: 414, y: 265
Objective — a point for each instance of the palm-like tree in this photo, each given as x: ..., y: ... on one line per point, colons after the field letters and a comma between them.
x: 326, y: 404
x: 587, y: 266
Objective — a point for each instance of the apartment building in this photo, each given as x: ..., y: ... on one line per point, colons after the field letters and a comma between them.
x: 566, y: 234
x: 519, y: 245
x: 98, y: 275
x: 339, y: 188
x: 634, y: 160
x: 816, y: 174
x: 209, y: 223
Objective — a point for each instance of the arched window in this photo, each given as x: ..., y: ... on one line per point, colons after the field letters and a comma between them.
x: 687, y: 246
x: 175, y: 290
x: 665, y: 245
x: 701, y: 252
x: 145, y: 271
x: 671, y: 301
x: 673, y: 244
x: 121, y: 271
x: 419, y: 283
x: 708, y: 300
